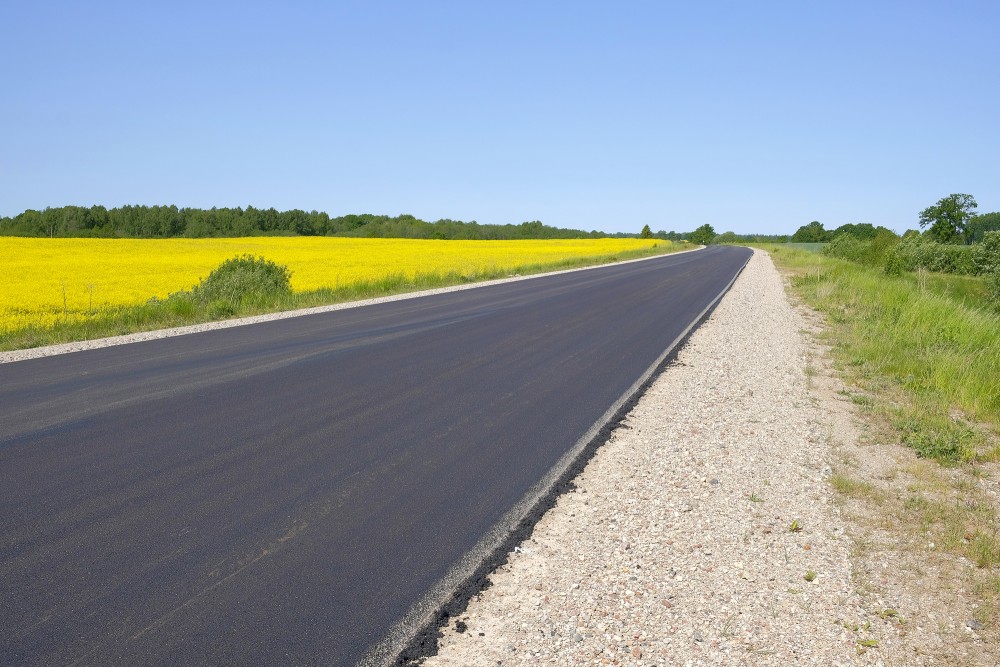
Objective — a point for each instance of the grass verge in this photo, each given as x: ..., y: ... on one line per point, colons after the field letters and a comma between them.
x: 924, y: 351
x: 184, y: 308
x: 931, y: 357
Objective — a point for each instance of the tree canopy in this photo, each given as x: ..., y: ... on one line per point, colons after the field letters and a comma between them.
x: 947, y: 219
x: 864, y: 231
x: 814, y: 232
x: 704, y: 235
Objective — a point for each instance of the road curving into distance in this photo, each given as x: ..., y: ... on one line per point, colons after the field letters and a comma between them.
x: 304, y: 491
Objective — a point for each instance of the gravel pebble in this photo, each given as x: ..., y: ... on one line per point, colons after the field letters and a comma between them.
x: 677, y: 546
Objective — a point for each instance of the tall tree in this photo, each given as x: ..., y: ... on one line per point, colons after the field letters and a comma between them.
x: 811, y: 233
x: 704, y: 235
x: 646, y: 233
x: 948, y: 218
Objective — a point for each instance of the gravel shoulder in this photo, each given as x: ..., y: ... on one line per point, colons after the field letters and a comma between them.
x: 703, y: 532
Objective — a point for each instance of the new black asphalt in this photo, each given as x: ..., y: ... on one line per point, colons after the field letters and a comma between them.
x: 282, y: 493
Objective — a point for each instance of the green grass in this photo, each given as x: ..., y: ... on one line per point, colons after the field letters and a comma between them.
x: 184, y: 309
x: 969, y: 291
x: 923, y: 343
x: 810, y: 247
x: 854, y: 488
x: 924, y: 349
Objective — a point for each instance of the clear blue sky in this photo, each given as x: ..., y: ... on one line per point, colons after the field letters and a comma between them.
x: 750, y: 116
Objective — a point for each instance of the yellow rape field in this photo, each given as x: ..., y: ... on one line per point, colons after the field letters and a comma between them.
x: 48, y: 280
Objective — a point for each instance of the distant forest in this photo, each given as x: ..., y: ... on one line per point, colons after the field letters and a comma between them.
x: 172, y: 222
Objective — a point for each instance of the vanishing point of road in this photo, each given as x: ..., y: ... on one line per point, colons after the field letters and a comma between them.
x: 290, y: 492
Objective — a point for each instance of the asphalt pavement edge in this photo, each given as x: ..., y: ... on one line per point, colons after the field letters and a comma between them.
x: 415, y: 636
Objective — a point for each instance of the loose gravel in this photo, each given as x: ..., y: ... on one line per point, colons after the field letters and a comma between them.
x: 703, y: 532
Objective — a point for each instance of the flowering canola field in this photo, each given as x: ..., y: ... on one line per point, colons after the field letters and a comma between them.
x: 46, y: 280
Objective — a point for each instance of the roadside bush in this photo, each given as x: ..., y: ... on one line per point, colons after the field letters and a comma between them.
x: 870, y: 252
x: 181, y: 305
x: 894, y: 264
x: 993, y: 289
x: 243, y: 281
x: 960, y: 258
x: 915, y: 252
x: 846, y: 246
x: 881, y: 245
x: 937, y: 437
x: 986, y: 255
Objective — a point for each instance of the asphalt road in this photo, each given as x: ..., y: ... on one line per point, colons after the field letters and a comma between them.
x: 282, y: 493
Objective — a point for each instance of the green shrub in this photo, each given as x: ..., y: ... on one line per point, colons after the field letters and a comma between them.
x: 880, y: 247
x: 243, y: 281
x: 962, y: 259
x: 939, y: 438
x: 181, y: 305
x: 986, y: 255
x: 916, y: 252
x: 993, y: 289
x: 846, y: 246
x: 870, y: 252
x: 894, y: 264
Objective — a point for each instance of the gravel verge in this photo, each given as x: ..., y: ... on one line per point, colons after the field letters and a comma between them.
x: 703, y: 532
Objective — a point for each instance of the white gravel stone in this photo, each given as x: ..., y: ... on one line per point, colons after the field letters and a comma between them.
x: 676, y: 547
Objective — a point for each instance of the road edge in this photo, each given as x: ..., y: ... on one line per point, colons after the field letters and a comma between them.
x: 415, y: 636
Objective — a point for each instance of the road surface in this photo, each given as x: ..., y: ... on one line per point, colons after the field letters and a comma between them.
x: 285, y: 492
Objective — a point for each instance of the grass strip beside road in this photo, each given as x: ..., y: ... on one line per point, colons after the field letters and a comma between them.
x: 922, y: 355
x: 932, y: 356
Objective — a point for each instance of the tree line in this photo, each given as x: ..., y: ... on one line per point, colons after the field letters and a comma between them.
x: 171, y: 222
x: 952, y: 220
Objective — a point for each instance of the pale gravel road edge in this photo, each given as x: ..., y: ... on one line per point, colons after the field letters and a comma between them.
x: 702, y: 532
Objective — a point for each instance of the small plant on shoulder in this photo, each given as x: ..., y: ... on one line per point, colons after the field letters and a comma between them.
x: 795, y: 526
x: 809, y: 575
x: 864, y: 644
x: 755, y: 498
x: 891, y: 615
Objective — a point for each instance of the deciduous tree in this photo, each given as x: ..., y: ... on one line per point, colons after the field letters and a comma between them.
x: 704, y: 235
x: 947, y: 219
x: 811, y: 233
